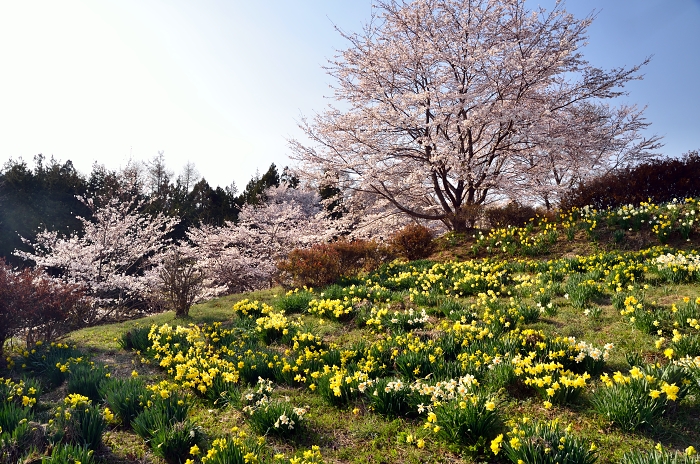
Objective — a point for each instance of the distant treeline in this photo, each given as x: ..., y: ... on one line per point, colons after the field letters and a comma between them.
x: 46, y: 196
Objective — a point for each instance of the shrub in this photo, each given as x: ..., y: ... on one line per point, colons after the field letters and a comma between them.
x: 36, y: 305
x: 513, y: 214
x: 412, y: 242
x: 314, y: 267
x: 324, y: 264
x: 179, y: 283
x: 359, y: 255
x: 657, y: 181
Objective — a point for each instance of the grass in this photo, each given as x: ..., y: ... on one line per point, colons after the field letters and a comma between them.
x: 353, y: 432
x: 104, y: 338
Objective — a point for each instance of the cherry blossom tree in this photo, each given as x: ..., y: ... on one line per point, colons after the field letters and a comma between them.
x: 242, y: 256
x: 613, y: 141
x: 109, y: 256
x: 449, y: 104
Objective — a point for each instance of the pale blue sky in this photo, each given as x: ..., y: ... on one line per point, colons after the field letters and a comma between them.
x: 221, y: 83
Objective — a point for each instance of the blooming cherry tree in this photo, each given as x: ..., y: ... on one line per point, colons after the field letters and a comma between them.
x: 452, y: 103
x: 111, y: 253
x: 242, y: 256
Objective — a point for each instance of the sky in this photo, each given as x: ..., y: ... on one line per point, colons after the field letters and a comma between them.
x: 223, y: 84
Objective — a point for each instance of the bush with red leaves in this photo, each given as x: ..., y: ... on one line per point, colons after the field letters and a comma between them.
x: 324, y: 264
x: 313, y: 267
x: 35, y: 305
x: 412, y: 242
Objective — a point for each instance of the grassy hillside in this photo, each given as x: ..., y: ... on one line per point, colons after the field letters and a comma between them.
x: 574, y: 335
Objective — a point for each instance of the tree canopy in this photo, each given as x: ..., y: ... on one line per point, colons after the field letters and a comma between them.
x: 450, y: 104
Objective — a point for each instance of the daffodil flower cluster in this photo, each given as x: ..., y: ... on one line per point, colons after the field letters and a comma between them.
x: 18, y: 392
x: 534, y: 441
x: 237, y: 447
x: 332, y: 309
x: 246, y: 307
x: 678, y: 267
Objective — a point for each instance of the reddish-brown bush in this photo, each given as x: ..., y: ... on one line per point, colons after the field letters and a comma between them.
x: 359, y: 255
x: 660, y: 180
x: 412, y: 242
x: 35, y: 305
x: 513, y: 214
x: 313, y: 267
x: 324, y: 264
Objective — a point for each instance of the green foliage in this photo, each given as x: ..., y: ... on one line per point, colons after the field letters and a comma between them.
x: 469, y: 421
x: 166, y: 409
x: 78, y: 422
x: 628, y: 404
x: 278, y: 418
x: 174, y: 441
x: 125, y: 397
x: 392, y: 398
x: 16, y: 444
x: 32, y: 199
x: 530, y: 313
x: 582, y: 290
x: 149, y: 421
x: 85, y: 378
x: 269, y: 416
x: 51, y: 362
x: 136, y: 339
x: 295, y: 301
x: 255, y: 189
x: 660, y: 457
x: 236, y: 449
x: 544, y: 443
x: 12, y: 416
x: 69, y: 454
